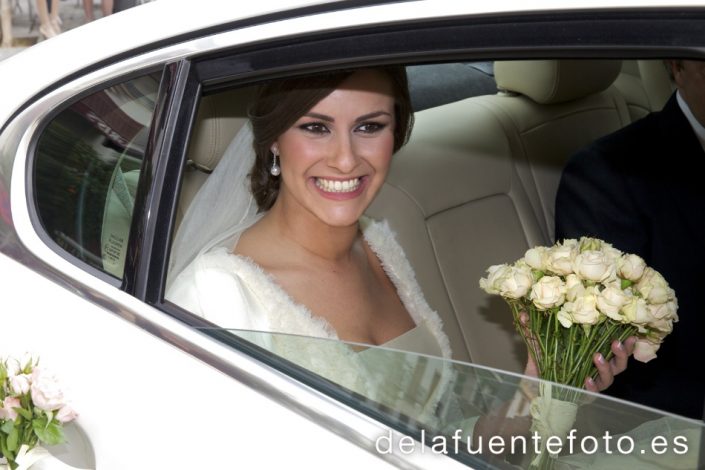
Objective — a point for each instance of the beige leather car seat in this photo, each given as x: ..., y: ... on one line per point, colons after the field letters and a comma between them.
x: 552, y: 108
x: 645, y: 85
x: 476, y: 184
x: 457, y: 206
x: 219, y: 118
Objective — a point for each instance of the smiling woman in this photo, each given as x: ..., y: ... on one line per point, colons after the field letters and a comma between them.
x: 322, y: 152
x: 309, y: 263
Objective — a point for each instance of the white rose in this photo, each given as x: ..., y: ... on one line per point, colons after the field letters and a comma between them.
x: 515, y: 283
x: 611, y: 300
x: 631, y: 267
x: 637, y: 311
x: 574, y: 287
x: 559, y: 259
x: 12, y: 366
x: 594, y: 266
x: 663, y: 325
x: 584, y: 309
x: 572, y: 243
x: 611, y: 252
x: 46, y: 393
x: 564, y: 315
x: 654, y: 288
x: 495, y: 273
x: 548, y: 292
x: 536, y: 257
x: 589, y: 244
x: 667, y: 310
x: 20, y: 383
x: 645, y: 350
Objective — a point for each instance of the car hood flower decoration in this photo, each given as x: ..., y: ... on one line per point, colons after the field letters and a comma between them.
x: 33, y: 410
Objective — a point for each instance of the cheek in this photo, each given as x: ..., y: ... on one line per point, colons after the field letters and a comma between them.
x: 378, y: 151
x: 299, y: 153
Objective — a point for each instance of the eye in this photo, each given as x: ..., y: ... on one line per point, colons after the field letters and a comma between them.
x: 314, y: 128
x: 371, y: 127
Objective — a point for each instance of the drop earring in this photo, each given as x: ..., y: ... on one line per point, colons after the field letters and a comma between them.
x: 275, y: 170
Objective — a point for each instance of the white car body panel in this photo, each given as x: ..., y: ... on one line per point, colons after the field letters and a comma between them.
x: 189, y: 414
x: 145, y: 404
x: 160, y: 20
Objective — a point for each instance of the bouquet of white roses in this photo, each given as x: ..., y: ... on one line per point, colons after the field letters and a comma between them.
x: 580, y: 296
x: 32, y: 411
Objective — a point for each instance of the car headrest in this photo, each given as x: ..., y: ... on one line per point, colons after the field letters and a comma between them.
x: 556, y: 81
x: 219, y: 118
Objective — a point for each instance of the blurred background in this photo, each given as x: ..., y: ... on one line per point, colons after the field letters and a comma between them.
x: 23, y: 23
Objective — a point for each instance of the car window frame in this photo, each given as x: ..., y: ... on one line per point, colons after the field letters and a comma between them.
x: 645, y: 33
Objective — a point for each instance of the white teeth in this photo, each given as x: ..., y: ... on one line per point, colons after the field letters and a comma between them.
x: 337, y: 186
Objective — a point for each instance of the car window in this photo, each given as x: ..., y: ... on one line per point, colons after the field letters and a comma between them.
x: 86, y: 169
x: 497, y: 159
x: 440, y: 402
x: 434, y: 85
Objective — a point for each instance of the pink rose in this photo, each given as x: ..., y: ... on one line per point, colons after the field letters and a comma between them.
x: 66, y: 414
x: 8, y: 408
x: 46, y: 393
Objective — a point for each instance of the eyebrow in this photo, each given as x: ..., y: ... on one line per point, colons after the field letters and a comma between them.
x: 364, y: 117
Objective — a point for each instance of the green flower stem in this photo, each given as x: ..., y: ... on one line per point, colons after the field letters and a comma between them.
x: 571, y: 345
x: 565, y: 355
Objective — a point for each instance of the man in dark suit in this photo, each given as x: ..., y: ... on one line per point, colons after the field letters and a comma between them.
x: 639, y: 189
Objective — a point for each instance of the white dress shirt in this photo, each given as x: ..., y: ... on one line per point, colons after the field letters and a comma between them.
x: 698, y: 128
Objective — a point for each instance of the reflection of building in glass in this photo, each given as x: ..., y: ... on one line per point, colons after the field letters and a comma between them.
x: 88, y: 162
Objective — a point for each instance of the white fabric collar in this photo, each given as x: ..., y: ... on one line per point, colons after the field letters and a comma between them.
x: 698, y: 128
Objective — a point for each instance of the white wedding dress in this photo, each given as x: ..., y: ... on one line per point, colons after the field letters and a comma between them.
x: 235, y: 293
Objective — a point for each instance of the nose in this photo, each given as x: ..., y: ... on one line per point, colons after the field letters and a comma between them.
x: 343, y: 155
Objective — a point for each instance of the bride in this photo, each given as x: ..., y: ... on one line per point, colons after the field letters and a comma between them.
x: 292, y: 253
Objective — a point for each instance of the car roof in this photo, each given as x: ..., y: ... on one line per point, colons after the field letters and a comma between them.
x: 152, y: 24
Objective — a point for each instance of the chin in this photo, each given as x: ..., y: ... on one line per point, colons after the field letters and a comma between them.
x: 340, y: 220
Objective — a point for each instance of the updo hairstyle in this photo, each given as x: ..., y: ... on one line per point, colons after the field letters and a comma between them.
x: 280, y: 103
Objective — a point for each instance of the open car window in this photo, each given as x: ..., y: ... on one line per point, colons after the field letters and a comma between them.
x: 438, y: 403
x: 474, y: 186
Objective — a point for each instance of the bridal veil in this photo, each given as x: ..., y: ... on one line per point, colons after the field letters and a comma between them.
x: 222, y: 209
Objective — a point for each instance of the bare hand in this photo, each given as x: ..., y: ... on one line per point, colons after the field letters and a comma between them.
x: 607, y: 370
x: 531, y: 369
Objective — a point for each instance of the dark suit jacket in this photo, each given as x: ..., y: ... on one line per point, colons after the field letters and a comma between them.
x: 639, y: 189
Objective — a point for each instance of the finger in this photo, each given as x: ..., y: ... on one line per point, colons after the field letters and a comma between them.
x: 531, y: 369
x: 629, y: 344
x: 604, y: 372
x: 590, y: 385
x: 619, y: 361
x: 528, y: 334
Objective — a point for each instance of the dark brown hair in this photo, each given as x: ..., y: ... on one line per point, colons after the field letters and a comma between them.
x: 280, y: 103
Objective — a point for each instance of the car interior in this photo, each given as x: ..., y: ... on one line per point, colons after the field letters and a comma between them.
x: 476, y: 183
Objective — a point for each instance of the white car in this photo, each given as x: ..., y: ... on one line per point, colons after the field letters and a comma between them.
x: 107, y: 131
